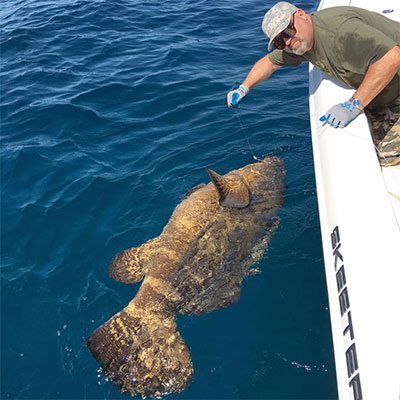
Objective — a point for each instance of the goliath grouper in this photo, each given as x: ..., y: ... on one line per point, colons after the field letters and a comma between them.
x: 195, y: 266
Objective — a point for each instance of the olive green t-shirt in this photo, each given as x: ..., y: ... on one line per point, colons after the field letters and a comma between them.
x: 347, y: 40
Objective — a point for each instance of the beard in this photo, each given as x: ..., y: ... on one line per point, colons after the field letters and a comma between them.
x: 301, y: 49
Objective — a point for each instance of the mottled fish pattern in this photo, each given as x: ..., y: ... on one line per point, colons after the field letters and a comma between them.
x: 195, y: 266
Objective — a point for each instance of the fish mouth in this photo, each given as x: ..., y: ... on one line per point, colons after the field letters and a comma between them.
x: 272, y: 166
x: 272, y: 160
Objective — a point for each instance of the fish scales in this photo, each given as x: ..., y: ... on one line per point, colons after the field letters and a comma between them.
x: 196, y: 265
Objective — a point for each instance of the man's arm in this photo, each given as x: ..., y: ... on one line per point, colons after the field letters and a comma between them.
x: 261, y: 70
x: 364, y: 47
x: 378, y: 76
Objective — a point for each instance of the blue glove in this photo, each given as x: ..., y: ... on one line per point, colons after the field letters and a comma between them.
x: 342, y: 114
x: 234, y: 96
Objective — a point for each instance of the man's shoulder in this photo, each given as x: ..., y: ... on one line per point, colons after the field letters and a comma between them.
x: 345, y: 20
x: 340, y: 14
x: 338, y: 21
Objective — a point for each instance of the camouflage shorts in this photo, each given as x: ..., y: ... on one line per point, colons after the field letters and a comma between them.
x: 385, y: 128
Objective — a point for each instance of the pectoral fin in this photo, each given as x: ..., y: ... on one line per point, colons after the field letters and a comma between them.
x: 233, y: 192
x: 130, y: 266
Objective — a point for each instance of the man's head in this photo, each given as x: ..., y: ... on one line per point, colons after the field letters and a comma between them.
x: 288, y: 28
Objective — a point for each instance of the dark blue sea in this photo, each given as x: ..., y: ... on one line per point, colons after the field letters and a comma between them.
x: 110, y: 112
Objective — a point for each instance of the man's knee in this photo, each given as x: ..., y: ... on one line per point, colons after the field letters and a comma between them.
x: 385, y: 131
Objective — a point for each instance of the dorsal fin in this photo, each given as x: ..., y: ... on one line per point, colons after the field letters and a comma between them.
x: 232, y: 192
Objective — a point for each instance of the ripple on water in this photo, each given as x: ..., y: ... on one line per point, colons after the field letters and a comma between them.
x: 110, y: 112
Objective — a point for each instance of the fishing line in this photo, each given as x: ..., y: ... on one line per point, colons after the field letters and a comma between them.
x: 236, y: 111
x: 245, y: 135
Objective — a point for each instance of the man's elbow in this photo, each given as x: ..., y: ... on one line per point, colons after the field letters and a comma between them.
x: 390, y: 62
x: 395, y: 56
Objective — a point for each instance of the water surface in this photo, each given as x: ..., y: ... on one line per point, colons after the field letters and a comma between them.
x: 110, y: 112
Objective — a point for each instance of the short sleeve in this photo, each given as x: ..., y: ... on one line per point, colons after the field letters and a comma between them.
x: 281, y: 58
x: 362, y: 45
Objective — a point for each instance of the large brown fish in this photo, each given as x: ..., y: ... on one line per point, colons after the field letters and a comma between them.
x: 195, y: 266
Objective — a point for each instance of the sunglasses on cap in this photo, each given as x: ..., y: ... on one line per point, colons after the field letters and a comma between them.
x: 288, y: 32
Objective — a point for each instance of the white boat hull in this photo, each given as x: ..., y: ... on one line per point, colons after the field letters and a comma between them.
x: 359, y: 207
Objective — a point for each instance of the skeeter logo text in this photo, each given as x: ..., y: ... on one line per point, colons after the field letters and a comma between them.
x: 344, y: 302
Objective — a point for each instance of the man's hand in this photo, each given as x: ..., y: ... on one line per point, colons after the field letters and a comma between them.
x: 234, y: 96
x: 342, y: 114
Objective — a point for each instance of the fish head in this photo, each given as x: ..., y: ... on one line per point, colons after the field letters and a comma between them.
x: 253, y: 183
x: 267, y: 173
x: 265, y: 180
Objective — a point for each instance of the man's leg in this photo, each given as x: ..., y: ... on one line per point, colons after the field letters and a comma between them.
x: 385, y: 128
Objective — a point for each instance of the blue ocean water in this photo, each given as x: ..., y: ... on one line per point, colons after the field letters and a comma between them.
x: 110, y: 112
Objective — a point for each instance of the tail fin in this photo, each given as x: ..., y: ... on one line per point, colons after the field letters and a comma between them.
x: 142, y: 353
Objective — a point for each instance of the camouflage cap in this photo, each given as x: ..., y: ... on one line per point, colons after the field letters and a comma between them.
x: 277, y: 19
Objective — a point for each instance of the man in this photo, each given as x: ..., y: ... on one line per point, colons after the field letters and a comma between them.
x: 358, y: 47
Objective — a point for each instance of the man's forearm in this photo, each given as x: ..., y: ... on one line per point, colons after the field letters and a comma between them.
x: 378, y: 76
x: 261, y: 70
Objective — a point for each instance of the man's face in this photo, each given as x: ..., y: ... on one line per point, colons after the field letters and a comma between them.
x: 297, y: 38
